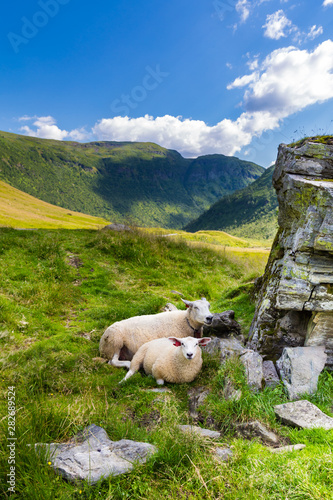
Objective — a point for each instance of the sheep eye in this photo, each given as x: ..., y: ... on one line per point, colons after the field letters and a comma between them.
x: 182, y: 343
x: 195, y: 307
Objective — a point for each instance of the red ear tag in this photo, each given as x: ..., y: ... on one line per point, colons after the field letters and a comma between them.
x: 177, y: 343
x: 187, y: 306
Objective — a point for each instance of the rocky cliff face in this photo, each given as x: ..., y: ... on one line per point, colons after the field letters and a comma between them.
x: 295, y: 303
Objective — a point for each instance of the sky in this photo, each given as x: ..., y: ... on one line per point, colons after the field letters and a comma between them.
x: 235, y: 77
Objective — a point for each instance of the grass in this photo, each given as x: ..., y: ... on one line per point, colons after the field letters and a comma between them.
x: 59, y: 290
x: 20, y: 210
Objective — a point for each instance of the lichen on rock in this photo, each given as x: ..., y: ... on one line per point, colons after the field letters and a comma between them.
x: 295, y: 304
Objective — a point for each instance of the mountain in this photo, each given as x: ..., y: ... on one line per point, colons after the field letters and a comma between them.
x: 19, y: 209
x: 248, y: 213
x: 138, y: 183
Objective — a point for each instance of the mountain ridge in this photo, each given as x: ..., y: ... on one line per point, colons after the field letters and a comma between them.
x: 138, y: 183
x: 250, y: 212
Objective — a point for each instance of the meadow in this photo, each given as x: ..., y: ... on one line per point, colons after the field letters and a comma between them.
x: 59, y: 290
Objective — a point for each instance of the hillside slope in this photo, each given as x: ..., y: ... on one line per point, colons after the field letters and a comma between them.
x: 248, y: 213
x: 139, y: 183
x: 21, y: 210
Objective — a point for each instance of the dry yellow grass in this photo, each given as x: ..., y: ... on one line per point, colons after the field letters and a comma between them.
x: 20, y: 210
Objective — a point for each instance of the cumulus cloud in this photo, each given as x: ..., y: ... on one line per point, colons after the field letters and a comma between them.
x: 287, y: 81
x: 327, y: 3
x: 46, y: 128
x: 189, y: 137
x: 277, y: 25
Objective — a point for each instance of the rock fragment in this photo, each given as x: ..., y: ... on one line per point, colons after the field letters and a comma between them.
x: 303, y: 414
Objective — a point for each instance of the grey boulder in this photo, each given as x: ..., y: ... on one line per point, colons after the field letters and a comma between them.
x: 194, y: 429
x: 91, y: 455
x: 303, y: 414
x: 300, y: 368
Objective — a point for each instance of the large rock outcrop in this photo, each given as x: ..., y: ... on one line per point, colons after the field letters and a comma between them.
x: 295, y: 303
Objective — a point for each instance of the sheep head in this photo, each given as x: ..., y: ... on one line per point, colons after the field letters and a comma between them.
x: 189, y: 345
x: 199, y: 311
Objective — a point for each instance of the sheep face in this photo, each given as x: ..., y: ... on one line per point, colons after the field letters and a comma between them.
x: 189, y: 345
x: 199, y: 311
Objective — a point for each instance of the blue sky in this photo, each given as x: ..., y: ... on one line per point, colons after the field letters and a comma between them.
x: 235, y: 77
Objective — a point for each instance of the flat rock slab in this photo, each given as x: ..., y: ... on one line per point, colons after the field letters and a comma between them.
x: 291, y: 447
x: 197, y: 396
x: 223, y: 454
x: 226, y: 348
x: 201, y: 432
x: 300, y: 368
x: 159, y: 390
x: 303, y: 414
x: 253, y: 368
x: 270, y: 374
x: 256, y: 429
x: 91, y: 455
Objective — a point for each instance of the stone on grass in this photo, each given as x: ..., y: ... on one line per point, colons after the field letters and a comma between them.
x: 200, y: 431
x: 249, y: 430
x: 270, y: 374
x: 303, y: 414
x: 300, y: 368
x: 169, y: 307
x: 197, y: 396
x: 223, y: 325
x: 118, y: 227
x: 253, y: 367
x: 230, y: 393
x: 159, y: 390
x: 223, y: 454
x: 226, y: 348
x: 91, y: 455
x: 291, y: 447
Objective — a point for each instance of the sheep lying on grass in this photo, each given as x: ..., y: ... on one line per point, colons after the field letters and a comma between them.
x: 169, y: 359
x: 132, y: 333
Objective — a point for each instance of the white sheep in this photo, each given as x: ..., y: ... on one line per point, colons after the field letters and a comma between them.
x: 128, y: 335
x: 169, y: 359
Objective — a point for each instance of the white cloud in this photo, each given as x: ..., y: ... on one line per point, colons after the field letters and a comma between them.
x: 243, y: 8
x: 189, y: 137
x: 314, y: 32
x: 290, y: 79
x: 287, y: 81
x: 278, y: 25
x: 46, y: 128
x: 327, y: 3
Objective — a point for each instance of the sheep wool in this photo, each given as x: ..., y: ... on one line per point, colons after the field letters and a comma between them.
x: 128, y: 335
x: 175, y: 360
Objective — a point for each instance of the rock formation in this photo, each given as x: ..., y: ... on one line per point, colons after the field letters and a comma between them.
x: 295, y: 303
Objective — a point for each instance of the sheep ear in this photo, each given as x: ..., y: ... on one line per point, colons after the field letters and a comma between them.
x: 204, y: 341
x: 187, y: 303
x: 175, y: 341
x: 204, y: 299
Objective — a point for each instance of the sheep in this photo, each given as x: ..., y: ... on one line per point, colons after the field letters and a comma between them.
x: 171, y: 359
x: 130, y: 334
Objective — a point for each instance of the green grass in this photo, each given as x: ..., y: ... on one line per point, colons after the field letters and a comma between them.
x: 58, y: 286
x: 18, y: 209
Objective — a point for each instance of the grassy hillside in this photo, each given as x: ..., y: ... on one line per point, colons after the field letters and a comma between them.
x: 59, y: 290
x: 18, y: 209
x: 248, y: 213
x: 139, y: 183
